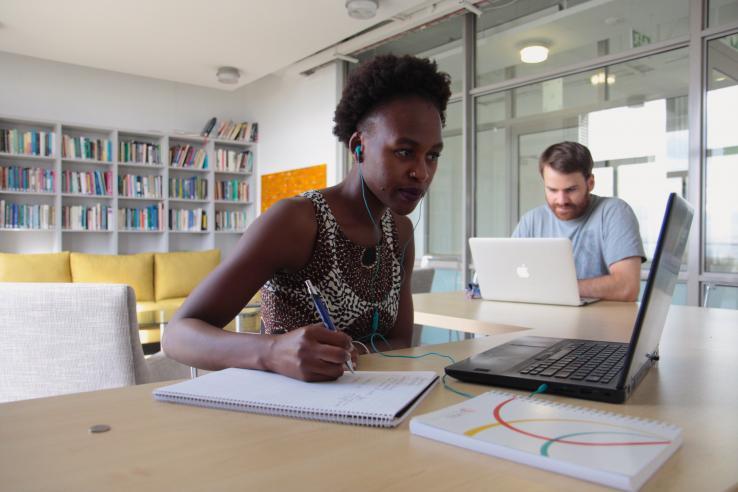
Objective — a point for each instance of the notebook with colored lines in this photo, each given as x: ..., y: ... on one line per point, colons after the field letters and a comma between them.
x: 373, y: 398
x: 607, y: 448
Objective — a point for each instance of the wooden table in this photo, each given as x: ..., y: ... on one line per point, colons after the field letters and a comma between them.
x: 612, y: 321
x: 45, y: 443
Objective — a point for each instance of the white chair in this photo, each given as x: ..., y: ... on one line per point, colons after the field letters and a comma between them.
x: 67, y: 338
x: 422, y: 282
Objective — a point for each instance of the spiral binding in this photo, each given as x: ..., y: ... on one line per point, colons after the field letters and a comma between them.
x: 353, y: 418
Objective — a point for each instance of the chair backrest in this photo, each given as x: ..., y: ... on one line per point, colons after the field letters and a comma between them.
x: 67, y: 338
x: 422, y: 280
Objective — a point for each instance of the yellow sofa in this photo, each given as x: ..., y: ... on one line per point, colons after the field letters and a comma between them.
x: 161, y: 281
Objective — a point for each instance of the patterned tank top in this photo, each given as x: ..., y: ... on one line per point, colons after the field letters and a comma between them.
x: 351, y: 289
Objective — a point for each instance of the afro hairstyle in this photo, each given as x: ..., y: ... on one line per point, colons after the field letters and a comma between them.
x: 384, y: 79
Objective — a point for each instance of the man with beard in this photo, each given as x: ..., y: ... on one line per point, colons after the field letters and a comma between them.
x: 607, y: 245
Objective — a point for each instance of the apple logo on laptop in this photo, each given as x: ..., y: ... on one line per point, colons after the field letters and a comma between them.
x: 522, y: 271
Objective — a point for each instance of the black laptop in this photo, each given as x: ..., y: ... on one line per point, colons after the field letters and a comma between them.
x: 595, y: 370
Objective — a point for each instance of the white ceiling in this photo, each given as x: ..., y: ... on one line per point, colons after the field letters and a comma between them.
x: 182, y: 40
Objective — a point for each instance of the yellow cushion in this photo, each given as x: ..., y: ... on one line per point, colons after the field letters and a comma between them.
x: 144, y: 306
x: 134, y: 270
x: 47, y: 267
x: 176, y: 274
x: 171, y: 304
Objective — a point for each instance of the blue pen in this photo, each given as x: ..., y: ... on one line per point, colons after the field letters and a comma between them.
x: 323, y: 313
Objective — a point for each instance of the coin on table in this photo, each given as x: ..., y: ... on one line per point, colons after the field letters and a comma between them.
x: 99, y: 428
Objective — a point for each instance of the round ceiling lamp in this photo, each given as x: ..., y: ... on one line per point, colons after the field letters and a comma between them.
x: 228, y: 75
x: 362, y: 9
x: 534, y: 53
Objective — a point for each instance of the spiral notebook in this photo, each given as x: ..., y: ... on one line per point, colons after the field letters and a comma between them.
x: 610, y: 449
x: 373, y: 398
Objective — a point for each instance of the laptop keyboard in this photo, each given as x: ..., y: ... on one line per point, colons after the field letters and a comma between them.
x: 597, y: 362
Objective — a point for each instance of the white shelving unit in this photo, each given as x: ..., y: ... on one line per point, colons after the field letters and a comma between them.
x: 118, y: 239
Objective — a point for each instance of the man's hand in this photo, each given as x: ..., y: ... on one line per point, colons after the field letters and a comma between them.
x: 622, y: 284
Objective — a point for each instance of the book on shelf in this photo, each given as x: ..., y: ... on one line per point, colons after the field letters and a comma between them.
x: 230, y: 220
x: 372, y: 398
x: 26, y: 216
x: 187, y: 156
x: 142, y: 218
x: 97, y: 183
x: 208, y: 127
x: 188, y: 220
x: 28, y: 179
x: 87, y: 218
x: 233, y: 190
x: 31, y: 142
x: 134, y: 186
x: 239, y: 132
x: 98, y: 149
x: 241, y: 161
x: 607, y: 448
x: 137, y: 152
x: 193, y: 188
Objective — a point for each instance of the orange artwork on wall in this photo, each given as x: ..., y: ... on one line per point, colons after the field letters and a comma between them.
x: 286, y: 184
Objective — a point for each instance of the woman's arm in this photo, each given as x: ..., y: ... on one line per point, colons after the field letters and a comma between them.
x: 281, y: 239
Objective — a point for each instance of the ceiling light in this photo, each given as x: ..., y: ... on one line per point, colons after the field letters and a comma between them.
x: 718, y: 76
x: 601, y: 78
x: 534, y: 53
x: 362, y: 9
x: 228, y: 75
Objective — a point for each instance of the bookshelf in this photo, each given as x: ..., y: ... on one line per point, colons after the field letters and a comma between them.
x: 68, y: 187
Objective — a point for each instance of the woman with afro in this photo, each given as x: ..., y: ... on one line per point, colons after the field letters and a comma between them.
x: 353, y: 241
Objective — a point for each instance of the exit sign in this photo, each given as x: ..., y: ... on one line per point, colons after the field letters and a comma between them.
x: 639, y: 39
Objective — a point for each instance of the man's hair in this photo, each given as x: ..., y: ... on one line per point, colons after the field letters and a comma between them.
x: 386, y: 78
x: 567, y: 158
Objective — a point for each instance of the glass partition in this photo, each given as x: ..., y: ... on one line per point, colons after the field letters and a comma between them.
x: 445, y: 197
x: 570, y: 32
x: 721, y: 159
x: 721, y: 12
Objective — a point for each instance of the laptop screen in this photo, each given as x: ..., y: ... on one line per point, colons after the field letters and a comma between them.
x: 659, y: 288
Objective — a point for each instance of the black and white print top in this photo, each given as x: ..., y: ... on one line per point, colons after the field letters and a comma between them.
x: 351, y: 289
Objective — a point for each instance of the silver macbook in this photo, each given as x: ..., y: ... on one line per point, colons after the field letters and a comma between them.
x: 539, y: 270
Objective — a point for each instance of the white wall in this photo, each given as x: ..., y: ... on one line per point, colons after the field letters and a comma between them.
x: 295, y: 115
x: 35, y: 88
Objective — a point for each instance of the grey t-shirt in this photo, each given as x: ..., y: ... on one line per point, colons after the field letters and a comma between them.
x: 605, y: 234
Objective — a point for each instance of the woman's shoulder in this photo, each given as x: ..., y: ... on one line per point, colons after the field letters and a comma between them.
x: 283, y: 235
x: 294, y: 207
x: 292, y: 216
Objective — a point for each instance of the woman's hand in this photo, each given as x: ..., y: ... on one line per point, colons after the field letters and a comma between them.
x: 310, y: 353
